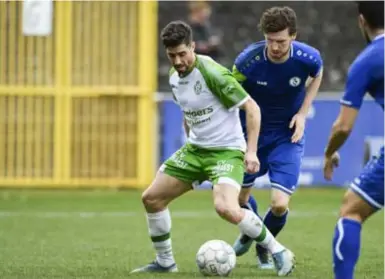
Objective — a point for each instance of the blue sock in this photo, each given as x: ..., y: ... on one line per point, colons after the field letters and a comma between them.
x: 251, y: 204
x: 275, y: 223
x: 346, y: 248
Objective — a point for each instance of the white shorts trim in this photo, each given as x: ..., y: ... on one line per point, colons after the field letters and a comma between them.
x: 365, y: 196
x: 229, y: 181
x: 280, y: 187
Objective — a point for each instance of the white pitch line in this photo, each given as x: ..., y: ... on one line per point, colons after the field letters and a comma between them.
x: 124, y: 214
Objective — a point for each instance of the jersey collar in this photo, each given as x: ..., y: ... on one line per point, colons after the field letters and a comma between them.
x: 265, y: 52
x: 378, y: 37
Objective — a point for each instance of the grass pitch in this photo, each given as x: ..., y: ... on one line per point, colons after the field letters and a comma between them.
x: 103, y: 234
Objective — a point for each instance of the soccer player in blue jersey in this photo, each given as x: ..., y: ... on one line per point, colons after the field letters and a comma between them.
x: 366, y: 193
x: 283, y: 76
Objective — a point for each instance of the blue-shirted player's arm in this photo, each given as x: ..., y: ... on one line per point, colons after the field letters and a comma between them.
x: 355, y: 89
x: 298, y: 121
x: 316, y: 73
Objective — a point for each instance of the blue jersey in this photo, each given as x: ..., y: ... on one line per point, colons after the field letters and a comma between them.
x: 278, y: 88
x: 366, y: 75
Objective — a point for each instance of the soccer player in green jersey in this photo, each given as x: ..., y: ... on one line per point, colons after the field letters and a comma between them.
x: 216, y: 150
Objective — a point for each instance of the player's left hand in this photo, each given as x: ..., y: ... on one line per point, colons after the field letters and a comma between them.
x: 251, y: 162
x: 298, y: 121
x: 329, y: 164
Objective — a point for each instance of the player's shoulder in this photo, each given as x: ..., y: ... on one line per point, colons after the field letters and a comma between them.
x: 208, y: 66
x: 372, y: 54
x: 252, y: 55
x: 173, y: 77
x: 305, y: 53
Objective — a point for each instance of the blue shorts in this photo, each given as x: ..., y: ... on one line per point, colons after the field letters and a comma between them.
x: 369, y: 185
x: 282, y: 162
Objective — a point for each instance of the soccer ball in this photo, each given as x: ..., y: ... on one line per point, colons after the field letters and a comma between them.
x: 216, y: 258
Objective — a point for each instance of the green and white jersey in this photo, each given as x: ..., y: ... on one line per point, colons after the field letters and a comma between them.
x: 210, y: 98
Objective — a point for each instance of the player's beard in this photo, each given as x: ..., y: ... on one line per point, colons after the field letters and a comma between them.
x: 183, y: 68
x: 279, y: 56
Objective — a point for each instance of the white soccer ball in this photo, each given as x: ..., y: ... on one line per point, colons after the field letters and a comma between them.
x: 216, y: 258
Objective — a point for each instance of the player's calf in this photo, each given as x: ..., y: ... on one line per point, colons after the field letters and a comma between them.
x: 244, y: 196
x: 155, y: 198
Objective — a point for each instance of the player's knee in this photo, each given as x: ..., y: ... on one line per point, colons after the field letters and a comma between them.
x: 279, y: 202
x: 152, y: 202
x: 356, y: 208
x: 243, y: 197
x: 227, y: 210
x: 279, y: 206
x: 279, y: 209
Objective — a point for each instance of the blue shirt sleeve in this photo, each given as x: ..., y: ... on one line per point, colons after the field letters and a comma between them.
x: 356, y: 84
x: 316, y: 64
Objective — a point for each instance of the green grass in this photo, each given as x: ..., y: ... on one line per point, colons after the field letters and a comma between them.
x: 48, y: 234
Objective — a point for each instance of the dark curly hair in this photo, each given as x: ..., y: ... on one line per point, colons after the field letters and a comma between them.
x: 176, y: 33
x: 277, y: 19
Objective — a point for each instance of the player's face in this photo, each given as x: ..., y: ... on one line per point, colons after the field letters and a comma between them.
x: 278, y: 43
x: 181, y: 57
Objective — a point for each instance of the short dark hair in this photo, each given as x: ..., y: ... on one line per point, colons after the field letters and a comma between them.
x: 277, y: 19
x: 373, y: 12
x: 176, y: 33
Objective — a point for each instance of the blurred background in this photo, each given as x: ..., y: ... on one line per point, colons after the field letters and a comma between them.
x: 84, y: 95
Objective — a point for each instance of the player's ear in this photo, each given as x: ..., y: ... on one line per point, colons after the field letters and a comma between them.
x: 294, y: 36
x: 361, y: 21
x: 192, y: 46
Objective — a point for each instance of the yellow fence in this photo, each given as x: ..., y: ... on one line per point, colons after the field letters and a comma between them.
x: 77, y: 107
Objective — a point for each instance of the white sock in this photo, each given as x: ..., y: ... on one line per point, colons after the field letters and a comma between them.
x: 252, y: 226
x: 159, y: 226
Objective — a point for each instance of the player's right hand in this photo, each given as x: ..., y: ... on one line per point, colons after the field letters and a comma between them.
x: 329, y: 165
x: 251, y: 162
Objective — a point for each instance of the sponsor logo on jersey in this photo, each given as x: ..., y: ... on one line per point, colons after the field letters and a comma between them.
x: 198, y: 87
x: 183, y: 82
x: 200, y: 112
x: 295, y: 81
x: 263, y: 83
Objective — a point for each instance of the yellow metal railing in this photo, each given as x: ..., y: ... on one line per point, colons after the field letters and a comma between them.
x: 77, y: 107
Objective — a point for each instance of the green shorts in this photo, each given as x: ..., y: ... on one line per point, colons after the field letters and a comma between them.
x: 194, y: 165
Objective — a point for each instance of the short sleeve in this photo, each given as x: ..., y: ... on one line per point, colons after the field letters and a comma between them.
x: 224, y: 85
x: 356, y: 84
x: 316, y: 64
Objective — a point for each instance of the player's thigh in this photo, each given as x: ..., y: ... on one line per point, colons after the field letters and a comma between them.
x: 366, y: 193
x: 162, y: 191
x: 225, y: 167
x: 355, y: 207
x: 185, y: 165
x: 284, y: 166
x: 176, y: 176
